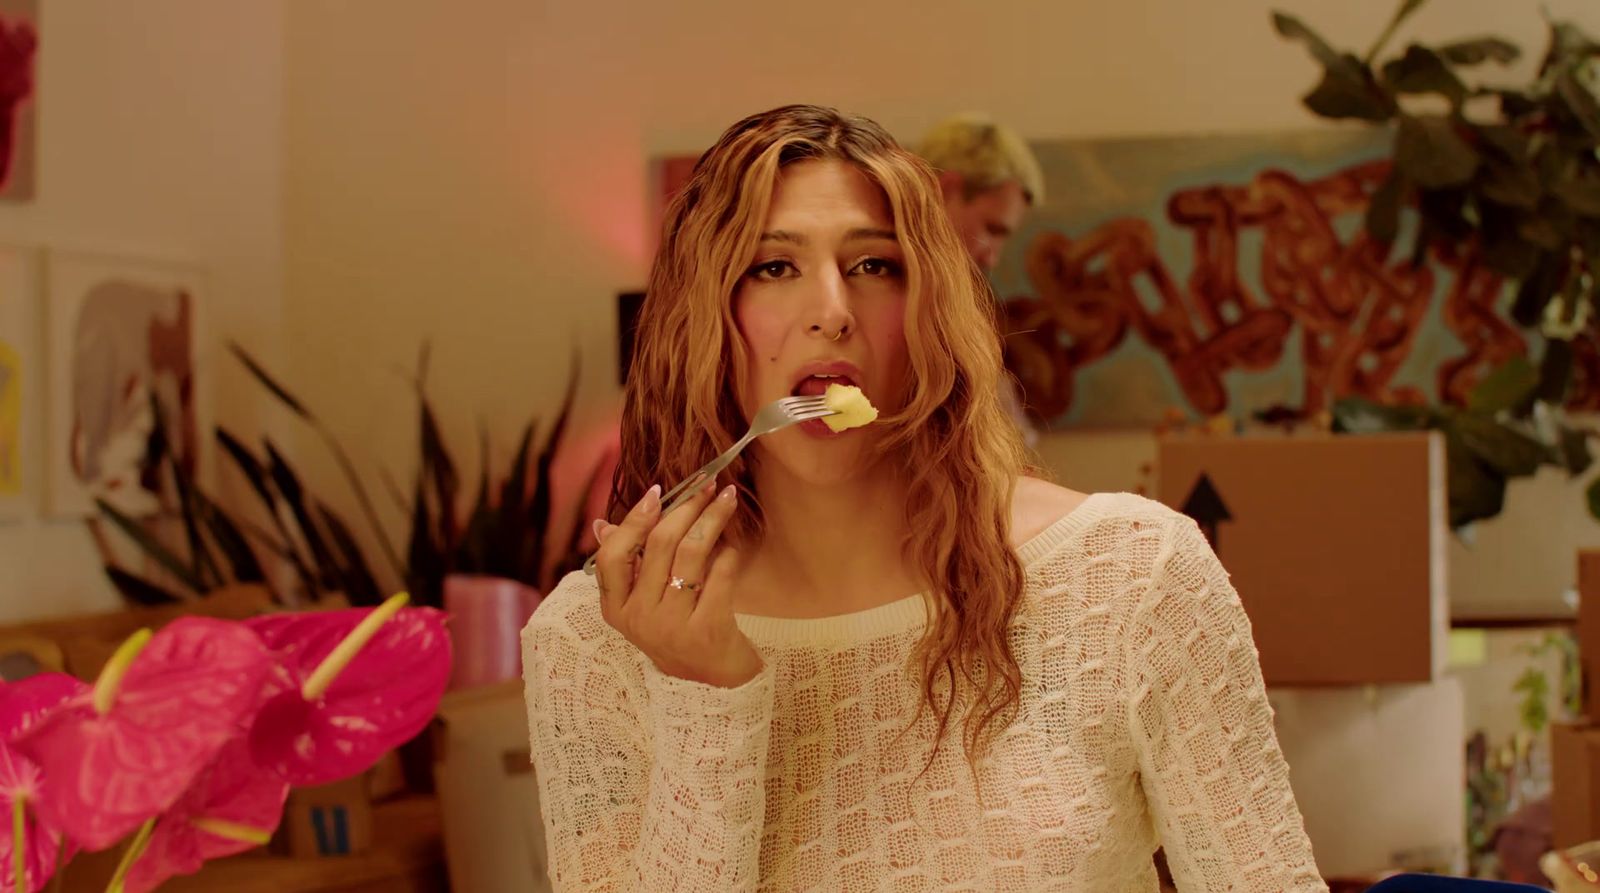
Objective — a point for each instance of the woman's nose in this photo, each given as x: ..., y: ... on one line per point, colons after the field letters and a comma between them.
x: 828, y: 315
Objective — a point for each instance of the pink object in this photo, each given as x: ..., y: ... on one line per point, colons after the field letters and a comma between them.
x: 22, y: 705
x: 384, y: 697
x: 232, y: 791
x: 183, y: 697
x: 486, y: 619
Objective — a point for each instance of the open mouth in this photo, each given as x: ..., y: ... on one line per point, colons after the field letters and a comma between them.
x: 817, y: 385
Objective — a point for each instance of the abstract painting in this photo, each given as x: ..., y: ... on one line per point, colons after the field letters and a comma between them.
x: 1231, y: 276
x: 122, y: 343
x: 20, y: 364
x: 19, y: 45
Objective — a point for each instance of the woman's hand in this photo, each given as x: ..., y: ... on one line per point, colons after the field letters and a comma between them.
x: 665, y: 585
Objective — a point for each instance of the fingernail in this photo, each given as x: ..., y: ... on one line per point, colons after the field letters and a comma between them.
x: 599, y: 525
x: 652, y: 500
x: 728, y: 492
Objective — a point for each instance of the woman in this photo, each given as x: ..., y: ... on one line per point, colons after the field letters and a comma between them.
x: 749, y: 696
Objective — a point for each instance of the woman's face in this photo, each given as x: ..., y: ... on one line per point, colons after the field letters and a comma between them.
x: 824, y: 296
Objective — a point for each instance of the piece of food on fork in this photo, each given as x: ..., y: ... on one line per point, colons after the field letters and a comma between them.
x: 852, y: 407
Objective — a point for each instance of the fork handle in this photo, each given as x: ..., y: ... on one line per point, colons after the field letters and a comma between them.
x: 682, y: 493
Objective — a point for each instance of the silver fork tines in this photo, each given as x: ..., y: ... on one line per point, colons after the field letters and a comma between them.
x: 775, y: 416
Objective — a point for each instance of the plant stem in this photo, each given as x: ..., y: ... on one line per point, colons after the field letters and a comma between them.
x: 19, y: 844
x: 60, y: 882
x: 131, y: 855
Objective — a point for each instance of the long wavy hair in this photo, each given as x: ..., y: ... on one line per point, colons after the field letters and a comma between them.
x: 962, y: 454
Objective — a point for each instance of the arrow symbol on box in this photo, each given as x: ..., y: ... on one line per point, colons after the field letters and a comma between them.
x: 1204, y: 504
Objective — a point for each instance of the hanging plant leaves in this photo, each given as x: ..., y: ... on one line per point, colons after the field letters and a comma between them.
x: 1508, y: 386
x: 1422, y: 71
x: 1476, y: 492
x: 1432, y: 154
x: 1383, y: 211
x: 1575, y: 455
x: 1579, y: 101
x: 1508, y: 453
x: 1480, y: 50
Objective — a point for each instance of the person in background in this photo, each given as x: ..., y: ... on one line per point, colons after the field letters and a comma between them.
x: 989, y: 179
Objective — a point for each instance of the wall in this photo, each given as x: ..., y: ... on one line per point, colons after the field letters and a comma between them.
x: 159, y: 136
x: 479, y: 180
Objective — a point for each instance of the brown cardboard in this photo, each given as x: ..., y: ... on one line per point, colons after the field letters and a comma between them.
x: 1589, y: 629
x: 493, y: 832
x: 329, y: 820
x: 1336, y: 544
x: 1575, y: 777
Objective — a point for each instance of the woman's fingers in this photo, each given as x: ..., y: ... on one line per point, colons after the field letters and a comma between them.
x: 661, y: 545
x: 693, y: 558
x: 614, y: 561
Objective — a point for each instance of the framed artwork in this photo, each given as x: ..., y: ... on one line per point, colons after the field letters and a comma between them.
x: 19, y: 45
x: 21, y: 362
x: 122, y: 340
x: 1232, y: 276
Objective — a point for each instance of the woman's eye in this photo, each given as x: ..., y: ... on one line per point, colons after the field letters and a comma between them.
x: 878, y: 266
x: 774, y: 269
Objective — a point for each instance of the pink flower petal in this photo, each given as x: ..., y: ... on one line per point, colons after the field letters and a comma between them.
x: 41, y: 842
x: 181, y: 700
x: 234, y: 790
x: 24, y: 702
x: 383, y: 698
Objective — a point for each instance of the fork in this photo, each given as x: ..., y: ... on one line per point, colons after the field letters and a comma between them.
x: 775, y: 416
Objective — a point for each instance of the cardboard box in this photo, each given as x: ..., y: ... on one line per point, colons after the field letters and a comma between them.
x: 1377, y: 773
x: 329, y: 820
x: 493, y: 831
x: 1575, y: 776
x: 1336, y: 544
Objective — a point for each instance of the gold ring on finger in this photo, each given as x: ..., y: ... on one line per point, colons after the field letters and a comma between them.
x: 681, y: 583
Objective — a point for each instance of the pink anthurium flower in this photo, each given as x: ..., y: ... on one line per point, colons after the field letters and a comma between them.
x: 232, y: 806
x: 366, y: 680
x: 116, y: 756
x: 30, y: 850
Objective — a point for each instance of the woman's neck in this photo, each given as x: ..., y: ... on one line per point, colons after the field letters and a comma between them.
x: 827, y: 548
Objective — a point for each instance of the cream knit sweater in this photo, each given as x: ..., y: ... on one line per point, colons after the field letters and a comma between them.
x: 1143, y: 722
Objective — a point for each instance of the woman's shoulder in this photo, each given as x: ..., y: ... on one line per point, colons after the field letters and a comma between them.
x: 1046, y: 517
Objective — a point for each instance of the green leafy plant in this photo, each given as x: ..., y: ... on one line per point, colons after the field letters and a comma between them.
x: 1511, y: 176
x: 1487, y: 444
x: 510, y: 530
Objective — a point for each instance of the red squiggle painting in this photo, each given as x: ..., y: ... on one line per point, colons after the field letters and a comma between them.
x: 1276, y: 277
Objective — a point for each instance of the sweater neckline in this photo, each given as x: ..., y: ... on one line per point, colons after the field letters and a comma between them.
x: 905, y: 614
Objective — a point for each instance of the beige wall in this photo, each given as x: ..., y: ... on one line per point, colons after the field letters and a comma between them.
x: 480, y: 179
x: 159, y: 136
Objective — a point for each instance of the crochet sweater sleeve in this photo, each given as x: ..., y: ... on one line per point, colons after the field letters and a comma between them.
x: 660, y: 792
x: 1214, y: 778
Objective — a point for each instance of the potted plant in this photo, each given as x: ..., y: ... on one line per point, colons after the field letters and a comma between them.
x: 1502, y: 179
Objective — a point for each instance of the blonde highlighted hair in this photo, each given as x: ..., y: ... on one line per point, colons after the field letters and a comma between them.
x: 962, y: 453
x: 985, y: 154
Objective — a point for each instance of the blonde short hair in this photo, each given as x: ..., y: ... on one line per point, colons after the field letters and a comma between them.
x: 986, y: 154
